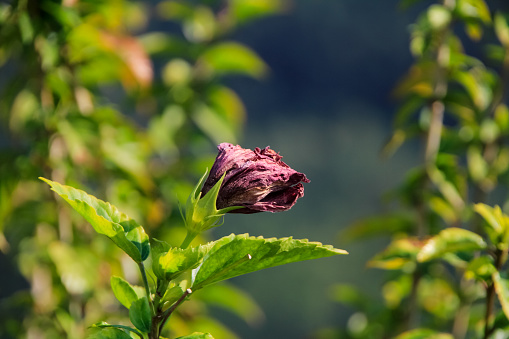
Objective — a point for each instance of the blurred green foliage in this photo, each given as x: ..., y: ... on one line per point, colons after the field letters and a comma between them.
x: 92, y: 95
x: 446, y: 259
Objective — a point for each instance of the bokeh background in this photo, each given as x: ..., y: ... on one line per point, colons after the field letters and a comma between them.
x: 322, y: 97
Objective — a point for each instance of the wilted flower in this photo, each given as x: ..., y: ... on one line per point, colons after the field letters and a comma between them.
x: 257, y: 180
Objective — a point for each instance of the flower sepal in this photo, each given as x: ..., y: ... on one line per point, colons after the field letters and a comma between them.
x: 201, y: 212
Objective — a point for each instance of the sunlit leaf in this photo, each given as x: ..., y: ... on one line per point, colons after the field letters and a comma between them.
x: 424, y: 333
x: 109, y: 333
x: 451, y: 240
x: 501, y: 23
x: 400, y: 254
x: 247, y: 10
x: 232, y: 57
x: 107, y: 219
x: 168, y: 262
x: 197, y: 335
x: 120, y: 328
x: 480, y: 268
x: 140, y: 314
x: 235, y: 255
x: 123, y: 291
x: 502, y: 289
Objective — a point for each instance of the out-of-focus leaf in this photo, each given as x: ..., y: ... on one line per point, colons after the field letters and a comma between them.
x: 74, y: 265
x: 502, y: 289
x: 235, y: 300
x: 443, y: 209
x: 104, y: 325
x: 451, y: 240
x: 123, y: 291
x: 480, y: 268
x: 473, y: 9
x: 228, y: 104
x: 214, y: 126
x: 501, y: 23
x: 400, y: 254
x: 235, y: 255
x: 197, y: 335
x: 377, y: 225
x: 138, y: 67
x: 439, y: 16
x: 25, y: 27
x: 201, y: 26
x: 446, y: 187
x: 348, y: 295
x: 233, y: 58
x: 24, y: 109
x: 498, y: 223
x: 474, y: 82
x: 247, y: 10
x: 477, y: 165
x: 418, y: 81
x: 424, y: 333
x: 396, y: 290
x: 107, y: 219
x: 141, y: 315
x: 109, y: 333
x: 438, y: 297
x: 502, y: 116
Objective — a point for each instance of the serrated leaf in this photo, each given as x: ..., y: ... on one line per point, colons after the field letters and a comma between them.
x: 123, y: 291
x: 109, y: 333
x: 502, y: 289
x: 235, y: 255
x: 197, y: 335
x: 140, y: 314
x: 451, y: 240
x: 232, y: 57
x: 424, y: 333
x: 106, y: 219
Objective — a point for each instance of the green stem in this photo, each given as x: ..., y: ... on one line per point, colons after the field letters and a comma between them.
x: 168, y: 312
x: 145, y: 284
x: 187, y: 241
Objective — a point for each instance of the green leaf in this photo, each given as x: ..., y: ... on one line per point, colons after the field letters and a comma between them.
x: 501, y: 24
x: 123, y: 291
x: 197, y: 335
x: 168, y: 262
x: 400, y: 254
x: 234, y: 300
x: 497, y: 222
x: 424, y: 333
x: 480, y: 268
x: 109, y: 333
x: 235, y: 255
x: 450, y: 240
x: 122, y: 328
x: 107, y: 219
x: 140, y: 314
x: 502, y: 289
x: 231, y: 57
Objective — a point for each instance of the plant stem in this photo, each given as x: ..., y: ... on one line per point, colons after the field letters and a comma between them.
x: 500, y: 258
x: 168, y: 312
x: 145, y: 284
x: 187, y: 241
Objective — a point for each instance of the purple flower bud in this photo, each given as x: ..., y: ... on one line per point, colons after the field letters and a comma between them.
x: 257, y: 180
